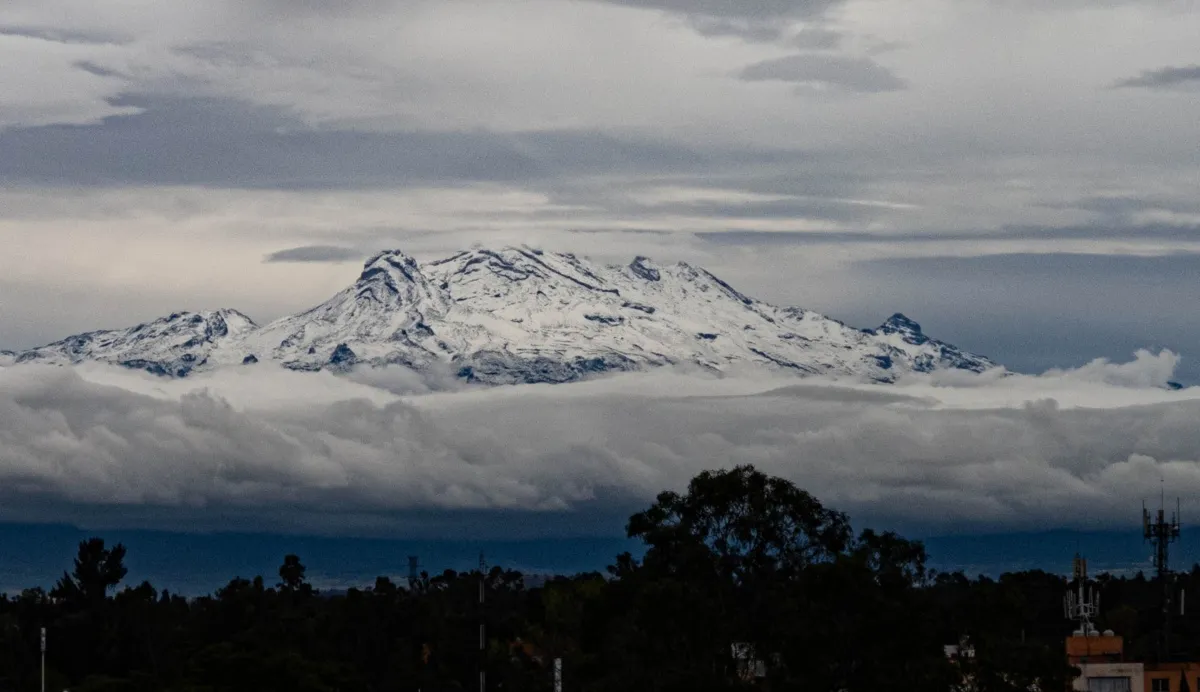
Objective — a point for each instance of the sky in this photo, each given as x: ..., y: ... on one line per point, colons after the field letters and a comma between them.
x: 1018, y: 176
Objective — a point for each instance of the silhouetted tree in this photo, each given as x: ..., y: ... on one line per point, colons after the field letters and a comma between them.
x: 291, y: 574
x: 97, y: 569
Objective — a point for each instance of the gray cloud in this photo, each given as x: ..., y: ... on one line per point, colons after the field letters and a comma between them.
x: 767, y: 21
x: 1123, y: 206
x: 207, y: 142
x: 752, y: 238
x: 749, y: 29
x: 763, y: 9
x: 797, y: 208
x: 228, y: 144
x: 812, y: 36
x: 331, y: 8
x: 1165, y: 78
x: 58, y: 35
x: 316, y: 253
x: 1115, y: 226
x: 98, y: 70
x: 854, y: 74
x: 279, y: 448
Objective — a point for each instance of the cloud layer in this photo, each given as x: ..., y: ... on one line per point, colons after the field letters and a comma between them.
x: 1166, y: 78
x: 854, y: 74
x: 289, y: 450
x: 315, y: 253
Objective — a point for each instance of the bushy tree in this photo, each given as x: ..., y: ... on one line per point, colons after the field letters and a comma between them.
x: 97, y: 570
x: 291, y: 574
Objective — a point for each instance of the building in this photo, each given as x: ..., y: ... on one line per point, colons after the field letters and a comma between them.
x: 1100, y: 658
x: 1172, y: 677
x: 1103, y: 668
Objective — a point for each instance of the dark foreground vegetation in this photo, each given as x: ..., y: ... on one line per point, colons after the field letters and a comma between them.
x: 740, y: 558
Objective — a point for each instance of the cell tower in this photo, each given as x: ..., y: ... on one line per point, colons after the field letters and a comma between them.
x: 1161, y: 533
x: 1083, y: 604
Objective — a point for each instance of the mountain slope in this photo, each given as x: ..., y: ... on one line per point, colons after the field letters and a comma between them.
x: 173, y: 345
x: 522, y: 315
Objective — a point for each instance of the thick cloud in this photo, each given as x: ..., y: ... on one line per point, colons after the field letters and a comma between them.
x: 286, y: 449
x: 1166, y: 78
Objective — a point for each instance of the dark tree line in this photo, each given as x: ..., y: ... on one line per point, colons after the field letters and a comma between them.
x: 740, y: 558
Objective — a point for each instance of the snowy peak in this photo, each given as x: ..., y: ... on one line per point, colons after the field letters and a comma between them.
x: 395, y: 278
x: 515, y: 271
x: 391, y: 267
x: 905, y: 340
x: 908, y: 329
x: 388, y: 308
x: 520, y: 314
x: 172, y: 345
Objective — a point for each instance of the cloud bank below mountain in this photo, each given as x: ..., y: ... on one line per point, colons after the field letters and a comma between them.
x: 394, y: 453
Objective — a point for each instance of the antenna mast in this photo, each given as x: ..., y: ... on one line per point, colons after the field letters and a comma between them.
x: 1160, y: 533
x: 1084, y: 604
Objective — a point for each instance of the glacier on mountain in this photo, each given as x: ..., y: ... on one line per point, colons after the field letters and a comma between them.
x: 522, y: 315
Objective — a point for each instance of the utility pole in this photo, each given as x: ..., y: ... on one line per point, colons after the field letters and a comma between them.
x: 1161, y: 533
x: 43, y: 659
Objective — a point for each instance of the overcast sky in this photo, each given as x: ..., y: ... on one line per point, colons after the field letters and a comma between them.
x: 1020, y: 176
x: 951, y: 159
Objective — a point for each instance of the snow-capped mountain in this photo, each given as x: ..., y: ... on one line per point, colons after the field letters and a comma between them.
x: 172, y: 345
x: 523, y: 315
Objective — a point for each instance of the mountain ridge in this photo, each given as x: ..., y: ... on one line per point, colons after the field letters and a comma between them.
x: 522, y: 315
